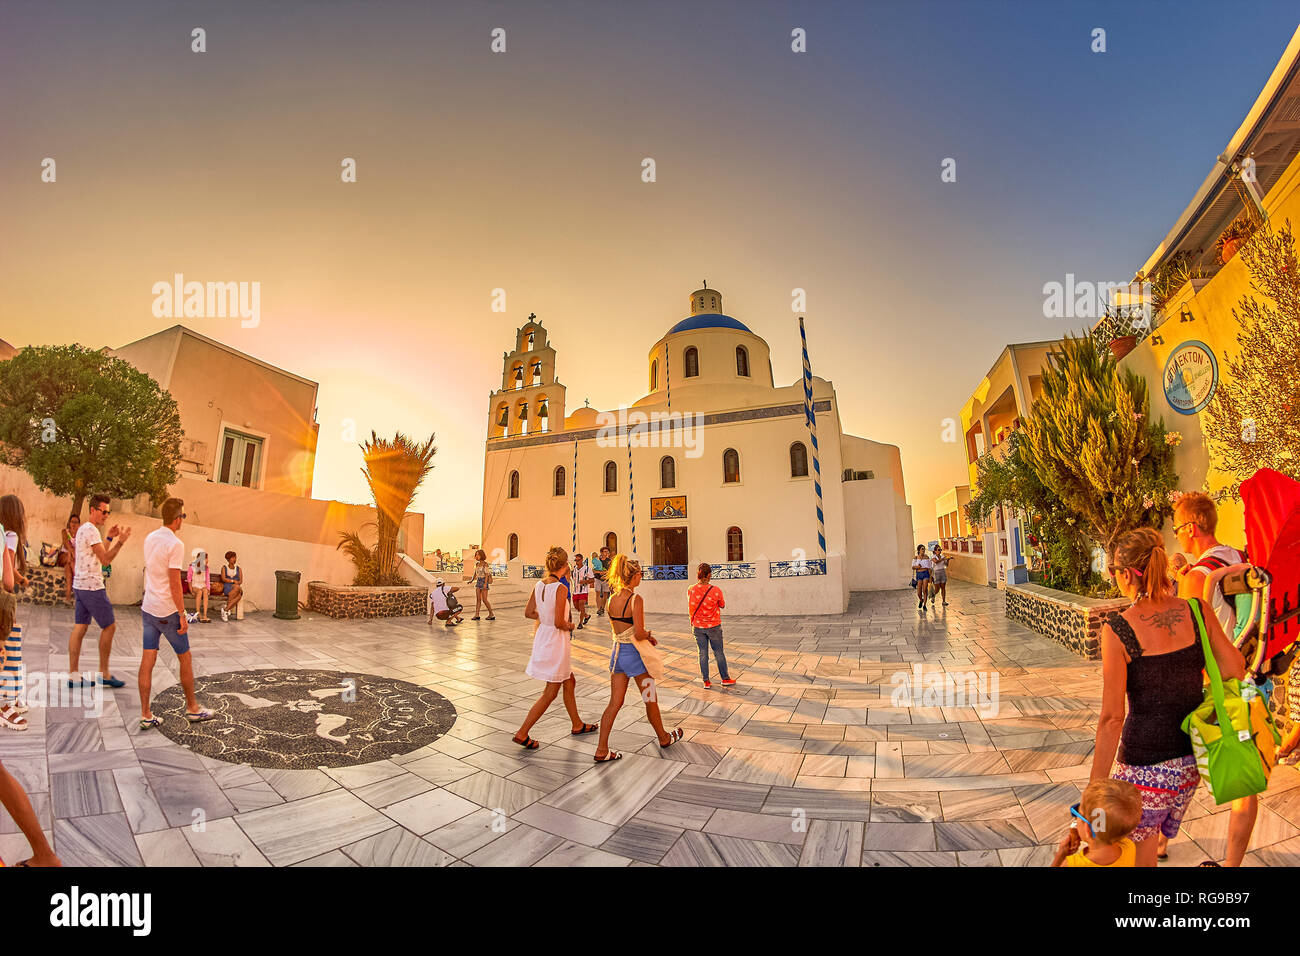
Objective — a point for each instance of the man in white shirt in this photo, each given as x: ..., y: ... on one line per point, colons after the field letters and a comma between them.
x: 163, y: 613
x: 91, y: 597
x: 440, y: 607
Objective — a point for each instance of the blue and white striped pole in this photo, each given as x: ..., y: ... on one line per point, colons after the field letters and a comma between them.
x: 812, y: 430
x: 668, y: 377
x: 575, y: 498
x: 631, y: 501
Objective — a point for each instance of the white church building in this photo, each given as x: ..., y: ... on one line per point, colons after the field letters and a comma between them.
x: 720, y: 468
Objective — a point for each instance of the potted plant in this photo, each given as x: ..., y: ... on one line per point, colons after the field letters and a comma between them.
x: 1230, y: 240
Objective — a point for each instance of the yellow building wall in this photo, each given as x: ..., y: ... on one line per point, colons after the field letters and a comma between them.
x: 1212, y: 323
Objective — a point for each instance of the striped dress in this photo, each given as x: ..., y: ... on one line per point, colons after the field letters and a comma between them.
x: 11, y: 672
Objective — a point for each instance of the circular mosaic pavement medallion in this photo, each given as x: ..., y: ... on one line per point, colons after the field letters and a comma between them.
x: 301, y: 719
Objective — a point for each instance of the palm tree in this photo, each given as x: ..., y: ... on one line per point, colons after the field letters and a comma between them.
x: 394, y: 470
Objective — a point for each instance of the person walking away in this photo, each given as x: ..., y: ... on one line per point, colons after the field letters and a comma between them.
x: 482, y: 580
x: 1196, y: 518
x: 13, y: 546
x: 68, y: 553
x: 1152, y: 659
x: 1110, y: 811
x: 939, y: 575
x: 232, y: 584
x: 600, y: 570
x: 91, y: 597
x: 162, y: 613
x: 634, y: 657
x: 199, y: 578
x: 921, y: 570
x: 551, y: 660
x: 440, y: 604
x: 704, y: 601
x: 582, y: 581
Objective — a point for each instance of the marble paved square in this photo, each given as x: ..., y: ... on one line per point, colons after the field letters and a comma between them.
x: 811, y: 759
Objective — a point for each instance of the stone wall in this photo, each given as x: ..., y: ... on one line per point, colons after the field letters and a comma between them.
x: 44, y: 587
x: 1072, y: 621
x: 354, y: 602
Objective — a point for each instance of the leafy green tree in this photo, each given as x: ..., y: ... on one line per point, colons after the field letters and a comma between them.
x: 1061, y: 547
x: 1251, y: 422
x: 394, y: 469
x: 1091, y: 442
x: 80, y: 421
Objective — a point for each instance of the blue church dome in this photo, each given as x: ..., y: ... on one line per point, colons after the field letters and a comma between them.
x: 708, y: 320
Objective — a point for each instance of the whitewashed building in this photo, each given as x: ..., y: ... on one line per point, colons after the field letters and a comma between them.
x: 720, y: 469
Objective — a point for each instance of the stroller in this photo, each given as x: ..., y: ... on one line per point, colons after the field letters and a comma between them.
x: 1266, y: 631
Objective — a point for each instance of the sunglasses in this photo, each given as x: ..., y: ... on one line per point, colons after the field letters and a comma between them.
x: 1180, y: 527
x: 1074, y: 812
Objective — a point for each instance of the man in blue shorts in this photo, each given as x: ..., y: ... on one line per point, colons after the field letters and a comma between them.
x: 163, y: 613
x: 88, y: 586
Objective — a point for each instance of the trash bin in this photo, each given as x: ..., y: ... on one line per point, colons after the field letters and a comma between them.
x: 286, y: 595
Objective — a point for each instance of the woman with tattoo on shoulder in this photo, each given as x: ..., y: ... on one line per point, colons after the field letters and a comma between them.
x: 1152, y: 659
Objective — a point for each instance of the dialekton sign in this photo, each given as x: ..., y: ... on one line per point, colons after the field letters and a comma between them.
x: 1190, y: 377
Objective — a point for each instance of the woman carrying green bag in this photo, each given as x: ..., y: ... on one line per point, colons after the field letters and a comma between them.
x: 1152, y: 659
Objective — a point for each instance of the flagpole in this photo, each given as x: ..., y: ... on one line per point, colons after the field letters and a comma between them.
x: 812, y: 430
x: 631, y: 501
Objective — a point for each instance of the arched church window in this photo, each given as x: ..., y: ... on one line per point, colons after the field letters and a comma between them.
x: 692, y: 362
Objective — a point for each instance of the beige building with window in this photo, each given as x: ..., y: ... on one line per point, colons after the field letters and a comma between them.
x: 246, y: 422
x: 720, y: 469
x: 248, y: 456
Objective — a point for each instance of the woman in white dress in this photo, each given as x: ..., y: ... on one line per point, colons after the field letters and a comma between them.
x: 551, y: 658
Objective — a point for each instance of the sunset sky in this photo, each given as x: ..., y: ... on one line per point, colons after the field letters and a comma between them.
x: 522, y: 171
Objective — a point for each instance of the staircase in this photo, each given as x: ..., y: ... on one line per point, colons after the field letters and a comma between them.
x: 504, y: 593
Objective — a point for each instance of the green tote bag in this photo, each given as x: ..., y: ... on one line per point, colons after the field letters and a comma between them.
x: 1226, y: 755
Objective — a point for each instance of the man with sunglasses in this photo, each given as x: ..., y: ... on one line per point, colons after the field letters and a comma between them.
x: 91, y: 597
x: 1195, y: 519
x: 162, y: 612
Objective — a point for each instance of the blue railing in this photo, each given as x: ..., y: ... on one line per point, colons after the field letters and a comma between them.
x: 533, y: 571
x: 734, y: 571
x: 664, y: 572
x: 794, y: 569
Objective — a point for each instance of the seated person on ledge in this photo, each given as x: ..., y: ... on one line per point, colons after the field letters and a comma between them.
x: 232, y: 584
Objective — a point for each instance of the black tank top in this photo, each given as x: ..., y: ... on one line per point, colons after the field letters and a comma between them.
x: 1162, y: 690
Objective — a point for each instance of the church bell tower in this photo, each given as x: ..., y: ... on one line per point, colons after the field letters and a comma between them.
x: 530, y: 400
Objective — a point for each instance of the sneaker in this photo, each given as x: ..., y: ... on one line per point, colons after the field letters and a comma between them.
x: 600, y: 612
x: 193, y: 617
x: 708, y: 683
x: 225, y: 614
x: 728, y: 681
x: 200, y: 715
x: 112, y: 682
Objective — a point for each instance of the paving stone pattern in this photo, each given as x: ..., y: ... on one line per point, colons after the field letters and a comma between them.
x: 818, y: 756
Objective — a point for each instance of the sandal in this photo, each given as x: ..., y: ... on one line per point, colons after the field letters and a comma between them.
x: 586, y: 729
x: 673, y: 737
x: 11, y: 719
x: 609, y: 757
x: 528, y: 743
x: 148, y: 723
